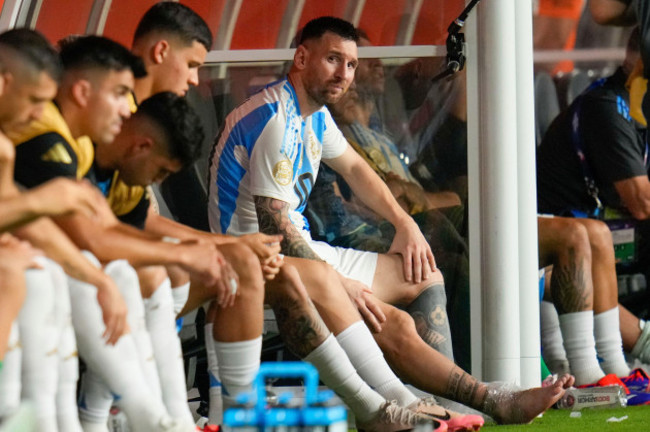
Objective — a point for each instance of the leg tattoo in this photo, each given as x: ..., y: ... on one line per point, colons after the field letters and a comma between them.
x: 429, y: 311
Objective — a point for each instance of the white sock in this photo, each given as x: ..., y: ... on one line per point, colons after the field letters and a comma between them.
x: 578, y: 333
x: 215, y: 414
x: 160, y: 316
x: 238, y: 365
x: 180, y: 294
x: 95, y: 400
x: 10, y: 374
x: 552, y: 343
x: 641, y: 348
x: 336, y: 371
x: 39, y: 339
x: 609, y: 343
x: 368, y: 360
x: 126, y: 279
x: 118, y: 365
x: 66, y: 395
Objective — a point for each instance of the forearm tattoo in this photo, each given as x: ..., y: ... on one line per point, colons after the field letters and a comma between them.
x: 273, y: 218
x: 302, y: 329
x: 569, y: 285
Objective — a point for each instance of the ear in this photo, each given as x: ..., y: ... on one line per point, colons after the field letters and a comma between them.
x: 80, y: 92
x: 4, y: 77
x: 301, y: 57
x: 159, y: 51
x: 7, y: 80
x: 142, y: 145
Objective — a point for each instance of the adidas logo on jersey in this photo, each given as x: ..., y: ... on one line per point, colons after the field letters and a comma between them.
x: 57, y: 154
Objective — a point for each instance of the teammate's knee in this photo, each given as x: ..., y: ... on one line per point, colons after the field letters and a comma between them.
x: 287, y: 285
x: 150, y: 278
x: 400, y: 332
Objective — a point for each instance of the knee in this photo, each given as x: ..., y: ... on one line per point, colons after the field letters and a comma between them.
x: 413, y: 291
x: 576, y: 239
x: 126, y: 279
x: 150, y: 278
x: 398, y: 333
x: 600, y: 237
x: 245, y: 263
x: 287, y: 286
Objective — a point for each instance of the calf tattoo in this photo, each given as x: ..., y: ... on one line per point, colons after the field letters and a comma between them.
x: 569, y: 285
x: 302, y: 329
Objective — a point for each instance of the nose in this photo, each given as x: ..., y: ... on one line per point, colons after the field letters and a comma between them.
x: 36, y: 113
x: 125, y: 109
x: 194, y: 77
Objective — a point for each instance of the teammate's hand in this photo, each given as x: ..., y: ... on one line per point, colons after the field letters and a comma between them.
x: 365, y: 302
x: 208, y: 266
x: 417, y: 258
x: 271, y: 268
x: 114, y: 310
x: 16, y: 254
x: 62, y: 196
x: 265, y: 246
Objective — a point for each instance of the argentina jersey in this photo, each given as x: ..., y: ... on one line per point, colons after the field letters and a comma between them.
x: 267, y: 149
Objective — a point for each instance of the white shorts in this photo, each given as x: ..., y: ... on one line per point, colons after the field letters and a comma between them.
x: 351, y: 263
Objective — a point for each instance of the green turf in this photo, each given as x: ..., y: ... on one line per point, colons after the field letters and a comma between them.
x: 592, y: 420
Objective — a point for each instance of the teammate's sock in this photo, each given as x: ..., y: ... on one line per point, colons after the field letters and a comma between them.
x: 609, y: 344
x: 38, y: 336
x: 429, y: 311
x: 180, y: 294
x: 552, y: 343
x: 118, y: 365
x: 66, y: 395
x: 578, y: 334
x: 641, y: 348
x: 10, y: 374
x: 368, y: 360
x: 238, y: 365
x: 160, y: 316
x: 126, y: 279
x: 215, y: 414
x: 95, y: 400
x: 336, y: 371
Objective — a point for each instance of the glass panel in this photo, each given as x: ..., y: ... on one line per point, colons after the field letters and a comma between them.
x: 413, y: 133
x: 259, y: 21
x: 51, y: 23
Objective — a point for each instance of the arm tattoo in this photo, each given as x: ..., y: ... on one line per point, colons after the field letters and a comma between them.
x: 569, y: 285
x: 273, y: 218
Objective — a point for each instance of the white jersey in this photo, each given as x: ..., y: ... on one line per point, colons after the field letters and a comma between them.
x: 267, y: 149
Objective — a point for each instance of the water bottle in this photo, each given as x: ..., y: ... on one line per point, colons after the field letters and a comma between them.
x: 594, y: 397
x: 117, y: 421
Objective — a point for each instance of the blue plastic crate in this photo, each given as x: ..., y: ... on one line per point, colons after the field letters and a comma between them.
x: 313, y: 415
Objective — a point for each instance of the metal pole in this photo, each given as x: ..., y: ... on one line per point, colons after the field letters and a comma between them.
x: 474, y: 197
x: 528, y: 256
x: 498, y: 190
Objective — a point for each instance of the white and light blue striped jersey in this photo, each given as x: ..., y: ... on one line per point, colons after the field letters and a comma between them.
x: 267, y: 149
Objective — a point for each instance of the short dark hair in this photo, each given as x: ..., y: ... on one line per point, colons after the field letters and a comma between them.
x: 88, y: 52
x: 177, y: 19
x: 317, y: 27
x: 33, y: 49
x: 178, y: 122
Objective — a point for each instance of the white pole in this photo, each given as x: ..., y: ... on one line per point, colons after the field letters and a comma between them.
x: 498, y: 184
x: 528, y: 259
x: 474, y: 196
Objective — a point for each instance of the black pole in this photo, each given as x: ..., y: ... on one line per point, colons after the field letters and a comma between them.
x: 456, y: 43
